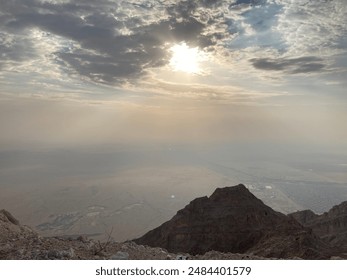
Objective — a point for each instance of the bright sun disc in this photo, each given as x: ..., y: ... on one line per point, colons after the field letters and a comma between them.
x: 186, y: 59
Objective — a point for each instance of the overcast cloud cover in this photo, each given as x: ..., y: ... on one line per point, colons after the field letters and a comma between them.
x: 283, y: 61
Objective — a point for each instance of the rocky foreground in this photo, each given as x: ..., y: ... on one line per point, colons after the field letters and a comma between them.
x: 230, y: 224
x: 19, y: 242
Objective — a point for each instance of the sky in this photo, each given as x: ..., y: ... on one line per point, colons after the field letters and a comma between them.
x: 79, y: 73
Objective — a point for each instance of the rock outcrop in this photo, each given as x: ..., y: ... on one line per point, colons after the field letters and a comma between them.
x: 233, y: 220
x: 10, y: 229
x: 18, y: 242
x: 330, y: 226
x: 230, y: 224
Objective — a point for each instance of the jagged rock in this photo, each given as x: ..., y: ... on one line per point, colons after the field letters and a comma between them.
x: 233, y: 220
x: 291, y: 244
x: 21, y: 243
x: 11, y: 230
x: 5, y: 215
x: 330, y: 226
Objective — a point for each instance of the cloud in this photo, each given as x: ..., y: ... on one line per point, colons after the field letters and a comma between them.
x: 308, y: 64
x: 14, y: 50
x: 203, y: 93
x: 117, y: 42
x: 313, y: 27
x: 109, y: 45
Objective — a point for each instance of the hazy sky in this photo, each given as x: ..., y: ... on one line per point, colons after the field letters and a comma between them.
x: 153, y: 71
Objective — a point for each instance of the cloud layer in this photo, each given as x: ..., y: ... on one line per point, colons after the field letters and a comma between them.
x: 305, y: 64
x: 120, y: 42
x: 274, y: 69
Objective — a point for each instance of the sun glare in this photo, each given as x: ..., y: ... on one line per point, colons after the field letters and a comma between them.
x: 186, y: 59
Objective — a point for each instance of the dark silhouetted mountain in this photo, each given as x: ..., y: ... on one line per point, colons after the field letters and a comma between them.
x: 330, y: 226
x: 233, y: 220
x: 230, y: 224
x: 20, y: 242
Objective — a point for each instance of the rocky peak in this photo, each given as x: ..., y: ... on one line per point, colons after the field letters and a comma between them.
x: 233, y: 220
x: 338, y: 210
x: 232, y: 193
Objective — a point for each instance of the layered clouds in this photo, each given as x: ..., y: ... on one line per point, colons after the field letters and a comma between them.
x: 117, y: 42
x: 268, y: 54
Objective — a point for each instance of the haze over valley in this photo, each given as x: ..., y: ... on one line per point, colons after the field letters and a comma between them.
x: 116, y: 114
x: 127, y: 193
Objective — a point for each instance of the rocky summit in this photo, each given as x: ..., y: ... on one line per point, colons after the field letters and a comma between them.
x: 233, y: 220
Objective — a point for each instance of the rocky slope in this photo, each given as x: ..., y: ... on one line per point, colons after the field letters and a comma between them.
x: 330, y: 226
x: 18, y: 242
x: 233, y: 220
x: 230, y: 224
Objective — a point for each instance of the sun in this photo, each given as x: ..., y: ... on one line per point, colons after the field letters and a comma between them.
x: 186, y: 59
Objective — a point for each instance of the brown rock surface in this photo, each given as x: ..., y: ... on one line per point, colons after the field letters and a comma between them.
x: 303, y: 216
x: 18, y: 242
x: 231, y: 224
x: 330, y: 226
x: 233, y: 220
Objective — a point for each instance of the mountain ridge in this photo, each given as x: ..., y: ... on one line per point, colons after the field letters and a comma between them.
x: 330, y: 226
x: 233, y: 220
x: 229, y: 224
